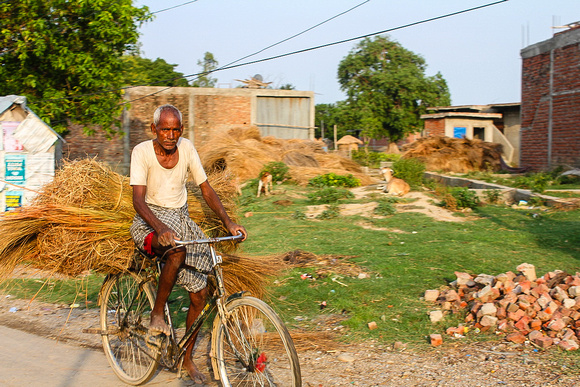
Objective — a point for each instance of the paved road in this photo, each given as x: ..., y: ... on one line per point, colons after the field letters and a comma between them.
x: 29, y: 360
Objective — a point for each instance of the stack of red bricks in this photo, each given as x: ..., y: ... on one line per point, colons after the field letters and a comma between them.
x: 544, y: 310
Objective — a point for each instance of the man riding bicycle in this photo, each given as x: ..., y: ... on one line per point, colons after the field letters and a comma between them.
x: 159, y: 171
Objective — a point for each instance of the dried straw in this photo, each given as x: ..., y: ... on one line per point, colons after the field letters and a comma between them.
x: 80, y: 221
x: 244, y: 153
x: 454, y: 154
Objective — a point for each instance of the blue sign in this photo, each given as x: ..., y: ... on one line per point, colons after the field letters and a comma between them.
x: 15, y: 169
x: 459, y: 132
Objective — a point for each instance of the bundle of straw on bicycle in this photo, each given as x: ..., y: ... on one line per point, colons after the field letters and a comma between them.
x: 80, y: 221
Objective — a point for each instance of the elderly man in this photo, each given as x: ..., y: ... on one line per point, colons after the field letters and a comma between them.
x: 159, y: 171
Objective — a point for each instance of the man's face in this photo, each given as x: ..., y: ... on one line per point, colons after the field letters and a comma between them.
x: 168, y: 130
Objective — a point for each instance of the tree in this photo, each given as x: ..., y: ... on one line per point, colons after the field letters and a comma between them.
x: 65, y: 57
x: 287, y: 86
x: 144, y: 71
x: 208, y: 65
x: 387, y: 89
x: 330, y: 114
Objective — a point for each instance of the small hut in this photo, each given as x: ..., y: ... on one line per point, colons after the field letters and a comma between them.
x: 347, y: 144
x: 29, y: 152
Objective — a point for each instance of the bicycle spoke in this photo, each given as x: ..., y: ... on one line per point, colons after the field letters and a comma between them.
x: 126, y: 306
x: 254, y: 349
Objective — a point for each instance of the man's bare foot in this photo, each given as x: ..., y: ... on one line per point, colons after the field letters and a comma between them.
x: 193, y: 372
x: 158, y: 326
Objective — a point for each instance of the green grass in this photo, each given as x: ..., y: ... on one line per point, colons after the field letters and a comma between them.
x: 401, y: 265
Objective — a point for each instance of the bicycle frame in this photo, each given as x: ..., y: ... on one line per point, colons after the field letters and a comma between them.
x: 214, y: 302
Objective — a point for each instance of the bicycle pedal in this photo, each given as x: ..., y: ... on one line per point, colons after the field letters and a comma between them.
x: 154, y: 342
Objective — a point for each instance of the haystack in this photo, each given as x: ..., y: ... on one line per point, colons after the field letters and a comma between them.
x: 80, y: 221
x: 244, y: 153
x: 455, y: 154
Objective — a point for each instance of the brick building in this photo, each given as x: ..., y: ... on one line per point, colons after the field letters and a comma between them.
x: 550, y: 115
x: 499, y: 123
x: 278, y: 113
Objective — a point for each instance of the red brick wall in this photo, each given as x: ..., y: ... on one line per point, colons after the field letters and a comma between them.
x: 214, y: 113
x: 78, y: 145
x: 435, y: 127
x: 204, y: 111
x: 565, y: 143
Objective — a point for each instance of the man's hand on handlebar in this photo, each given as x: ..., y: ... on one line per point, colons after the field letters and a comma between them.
x: 235, y: 229
x: 166, y: 237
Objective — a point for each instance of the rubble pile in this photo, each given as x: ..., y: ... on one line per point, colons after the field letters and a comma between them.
x: 542, y: 310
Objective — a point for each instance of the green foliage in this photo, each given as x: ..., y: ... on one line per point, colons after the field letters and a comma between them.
x: 330, y: 213
x: 410, y: 170
x: 536, y: 201
x: 287, y: 86
x: 65, y: 57
x: 464, y: 197
x: 568, y: 180
x: 387, y: 89
x: 329, y: 195
x: 492, y: 196
x: 334, y: 180
x: 278, y: 170
x: 373, y: 159
x: 144, y: 71
x: 208, y: 65
x: 328, y: 115
x: 385, y: 208
x: 536, y: 182
x: 299, y: 215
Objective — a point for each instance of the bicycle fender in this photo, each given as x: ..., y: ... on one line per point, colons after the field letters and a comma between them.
x: 237, y: 295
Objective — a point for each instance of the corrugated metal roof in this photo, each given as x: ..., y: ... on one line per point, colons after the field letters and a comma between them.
x: 7, y: 101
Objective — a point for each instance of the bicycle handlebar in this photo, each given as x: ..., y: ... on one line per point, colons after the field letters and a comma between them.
x: 210, y: 240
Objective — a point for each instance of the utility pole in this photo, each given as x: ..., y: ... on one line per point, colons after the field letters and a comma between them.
x: 335, y: 140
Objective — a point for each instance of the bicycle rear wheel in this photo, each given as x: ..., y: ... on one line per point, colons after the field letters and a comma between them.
x: 126, y: 303
x: 253, y: 347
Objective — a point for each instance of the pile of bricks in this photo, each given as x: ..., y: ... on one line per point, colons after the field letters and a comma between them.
x: 544, y: 311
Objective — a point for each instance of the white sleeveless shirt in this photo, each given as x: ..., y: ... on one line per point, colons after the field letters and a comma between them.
x: 166, y: 187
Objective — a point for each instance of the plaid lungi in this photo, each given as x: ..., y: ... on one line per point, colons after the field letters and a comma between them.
x: 197, y: 256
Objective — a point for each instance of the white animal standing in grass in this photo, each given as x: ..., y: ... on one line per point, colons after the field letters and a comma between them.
x: 395, y: 186
x: 265, y: 182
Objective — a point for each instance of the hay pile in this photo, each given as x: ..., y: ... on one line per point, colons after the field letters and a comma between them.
x: 455, y: 154
x: 80, y: 221
x: 244, y: 153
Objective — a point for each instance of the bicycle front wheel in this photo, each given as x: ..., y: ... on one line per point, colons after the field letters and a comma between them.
x: 253, y: 347
x: 126, y: 303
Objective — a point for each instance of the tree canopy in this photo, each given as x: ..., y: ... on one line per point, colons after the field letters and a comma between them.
x: 208, y: 65
x: 65, y: 57
x: 387, y: 89
x: 144, y: 71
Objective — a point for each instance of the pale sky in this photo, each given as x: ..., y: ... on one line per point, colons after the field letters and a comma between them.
x: 478, y: 52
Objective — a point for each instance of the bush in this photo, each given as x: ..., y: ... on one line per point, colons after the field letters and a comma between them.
x: 334, y: 180
x: 492, y: 195
x: 329, y: 195
x: 464, y: 197
x: 536, y: 182
x: 410, y: 170
x: 330, y: 213
x: 277, y: 169
x: 373, y: 159
x: 385, y: 208
x: 299, y: 215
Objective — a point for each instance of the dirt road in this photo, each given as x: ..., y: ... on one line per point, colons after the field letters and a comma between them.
x: 76, y: 359
x: 30, y: 360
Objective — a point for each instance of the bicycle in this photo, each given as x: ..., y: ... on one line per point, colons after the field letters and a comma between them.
x: 250, y: 344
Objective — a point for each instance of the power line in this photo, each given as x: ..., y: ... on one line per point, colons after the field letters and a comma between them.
x: 298, y: 34
x: 173, y: 7
x: 355, y: 38
x: 218, y: 69
x: 228, y: 67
